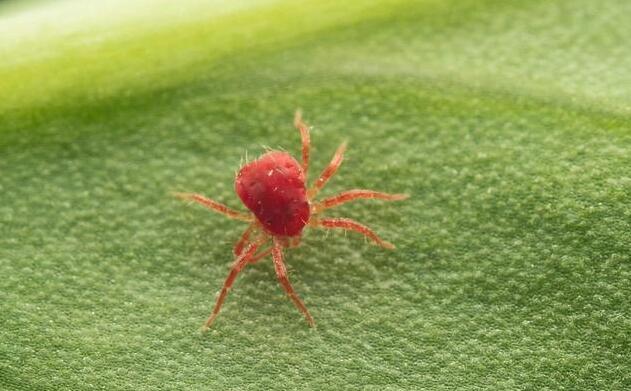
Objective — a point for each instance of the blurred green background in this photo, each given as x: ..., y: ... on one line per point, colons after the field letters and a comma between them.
x: 507, y: 121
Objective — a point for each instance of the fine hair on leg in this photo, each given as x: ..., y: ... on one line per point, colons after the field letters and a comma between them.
x: 215, y: 206
x: 281, y: 273
x: 355, y: 194
x: 261, y: 255
x: 305, y: 138
x: 236, y: 268
x: 351, y: 225
x: 328, y: 172
x: 243, y: 240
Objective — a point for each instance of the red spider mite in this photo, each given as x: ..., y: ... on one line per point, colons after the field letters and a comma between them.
x: 274, y: 189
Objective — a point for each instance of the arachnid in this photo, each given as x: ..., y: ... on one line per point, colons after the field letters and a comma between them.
x: 273, y: 188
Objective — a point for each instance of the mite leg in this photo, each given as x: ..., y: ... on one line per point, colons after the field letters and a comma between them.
x: 306, y: 140
x: 237, y: 266
x: 328, y: 172
x: 355, y: 194
x: 243, y: 241
x: 281, y: 273
x: 261, y: 255
x: 215, y: 206
x: 351, y: 225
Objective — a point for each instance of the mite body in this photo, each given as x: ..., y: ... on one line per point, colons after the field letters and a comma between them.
x: 273, y: 188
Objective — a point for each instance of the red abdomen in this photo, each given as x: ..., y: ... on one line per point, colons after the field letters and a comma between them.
x: 273, y: 188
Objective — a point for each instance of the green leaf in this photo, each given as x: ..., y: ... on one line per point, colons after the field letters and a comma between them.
x: 507, y: 122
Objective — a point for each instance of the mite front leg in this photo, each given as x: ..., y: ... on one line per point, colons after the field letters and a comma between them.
x: 355, y: 194
x: 328, y: 172
x: 305, y: 138
x: 281, y: 273
x: 351, y: 225
x: 214, y: 206
x: 236, y: 268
